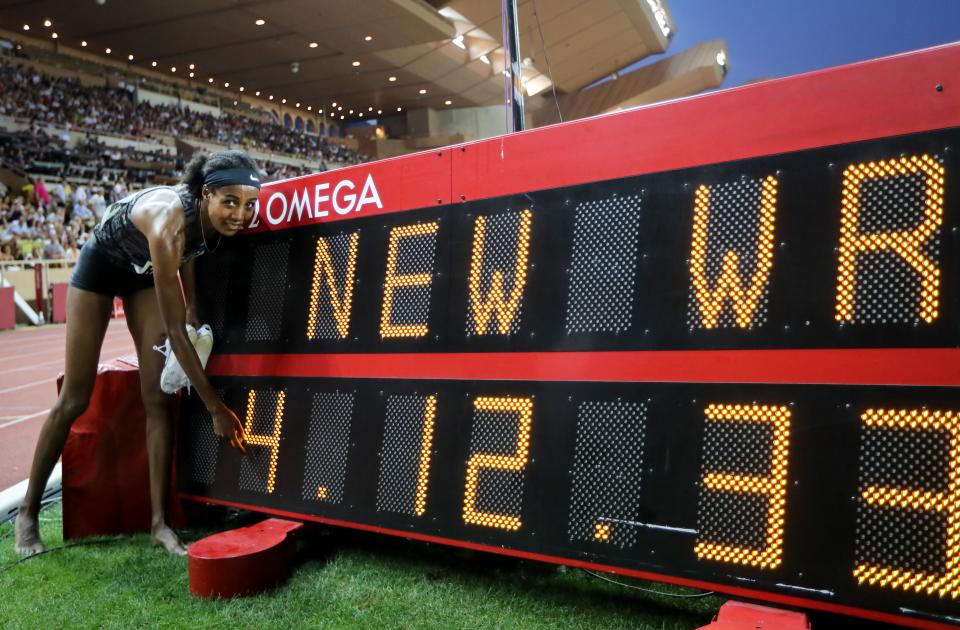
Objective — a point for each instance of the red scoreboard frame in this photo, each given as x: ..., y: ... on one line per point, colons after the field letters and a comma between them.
x: 901, y: 112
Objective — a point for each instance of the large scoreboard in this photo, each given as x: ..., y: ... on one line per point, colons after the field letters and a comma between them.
x: 711, y: 342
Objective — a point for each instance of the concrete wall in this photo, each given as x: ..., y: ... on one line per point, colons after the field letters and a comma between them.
x: 395, y: 125
x: 156, y: 98
x: 474, y: 123
x: 11, y: 180
x: 421, y: 122
x: 24, y: 284
x: 21, y: 278
x: 387, y: 147
x: 139, y: 145
x: 201, y: 108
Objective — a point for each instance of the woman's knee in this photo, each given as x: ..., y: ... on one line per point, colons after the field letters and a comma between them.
x: 155, y: 402
x: 70, y: 405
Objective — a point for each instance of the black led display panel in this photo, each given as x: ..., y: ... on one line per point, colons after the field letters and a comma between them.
x: 613, y: 265
x: 797, y: 489
x: 846, y: 494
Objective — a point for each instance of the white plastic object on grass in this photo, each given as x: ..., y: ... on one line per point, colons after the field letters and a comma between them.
x: 173, y: 377
x: 12, y: 498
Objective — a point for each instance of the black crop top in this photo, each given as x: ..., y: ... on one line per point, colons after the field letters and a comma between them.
x: 124, y: 245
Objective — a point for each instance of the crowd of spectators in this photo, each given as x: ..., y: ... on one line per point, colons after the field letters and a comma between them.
x: 27, y: 93
x: 72, y: 176
x: 37, y: 152
x: 50, y: 219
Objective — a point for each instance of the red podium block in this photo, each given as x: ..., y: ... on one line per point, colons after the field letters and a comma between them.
x: 243, y: 561
x: 741, y: 616
x: 8, y: 309
x: 106, y: 479
x: 58, y: 302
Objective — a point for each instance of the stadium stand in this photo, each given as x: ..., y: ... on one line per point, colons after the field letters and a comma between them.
x: 68, y: 149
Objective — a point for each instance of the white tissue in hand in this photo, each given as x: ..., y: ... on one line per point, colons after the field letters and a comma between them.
x: 173, y: 377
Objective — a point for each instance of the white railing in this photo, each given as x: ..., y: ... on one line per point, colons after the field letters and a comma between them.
x: 20, y: 265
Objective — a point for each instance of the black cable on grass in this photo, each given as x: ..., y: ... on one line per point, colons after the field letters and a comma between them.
x: 646, y: 590
x: 89, y: 543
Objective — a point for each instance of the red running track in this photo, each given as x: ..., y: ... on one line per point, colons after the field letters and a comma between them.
x: 30, y: 360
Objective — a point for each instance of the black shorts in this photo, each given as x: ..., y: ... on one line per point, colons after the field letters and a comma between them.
x: 95, y: 272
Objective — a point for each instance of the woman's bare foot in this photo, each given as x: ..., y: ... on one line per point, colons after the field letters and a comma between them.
x: 163, y: 536
x: 26, y: 540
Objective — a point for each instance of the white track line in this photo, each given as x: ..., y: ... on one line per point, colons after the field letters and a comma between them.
x: 37, y: 346
x: 32, y: 333
x: 24, y: 418
x: 55, y: 347
x: 53, y: 362
x: 4, y: 374
x: 28, y: 340
x: 43, y: 381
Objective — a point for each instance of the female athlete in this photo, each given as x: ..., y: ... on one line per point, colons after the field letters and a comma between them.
x: 139, y: 247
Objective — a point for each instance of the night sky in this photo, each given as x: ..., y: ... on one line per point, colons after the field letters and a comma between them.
x: 777, y: 38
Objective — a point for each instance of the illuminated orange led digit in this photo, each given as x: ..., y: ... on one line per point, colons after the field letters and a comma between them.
x: 601, y: 532
x: 774, y: 486
x: 523, y: 408
x: 496, y: 300
x: 392, y: 281
x: 271, y: 441
x: 907, y: 244
x: 946, y: 503
x: 426, y: 443
x: 729, y: 286
x: 340, y: 301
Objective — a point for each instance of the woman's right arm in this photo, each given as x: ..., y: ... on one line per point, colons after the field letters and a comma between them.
x: 165, y: 235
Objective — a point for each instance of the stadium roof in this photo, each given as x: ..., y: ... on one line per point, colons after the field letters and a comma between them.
x: 316, y: 52
x: 585, y: 40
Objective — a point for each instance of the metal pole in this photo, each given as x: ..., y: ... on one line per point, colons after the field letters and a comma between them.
x: 512, y: 59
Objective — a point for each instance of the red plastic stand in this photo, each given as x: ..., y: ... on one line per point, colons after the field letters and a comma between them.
x: 743, y: 616
x: 106, y: 479
x: 58, y: 302
x: 243, y: 561
x: 38, y: 282
x: 8, y: 309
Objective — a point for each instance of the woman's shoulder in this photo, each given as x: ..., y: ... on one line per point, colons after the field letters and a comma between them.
x: 159, y: 203
x: 169, y: 196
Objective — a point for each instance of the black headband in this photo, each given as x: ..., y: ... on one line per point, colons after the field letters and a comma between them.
x: 231, y: 177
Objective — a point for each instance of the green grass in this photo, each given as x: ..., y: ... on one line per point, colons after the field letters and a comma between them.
x: 349, y: 580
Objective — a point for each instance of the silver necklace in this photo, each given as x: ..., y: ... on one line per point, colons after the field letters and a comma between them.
x: 202, y: 235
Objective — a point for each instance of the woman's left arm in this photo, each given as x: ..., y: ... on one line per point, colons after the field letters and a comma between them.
x: 189, y: 280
